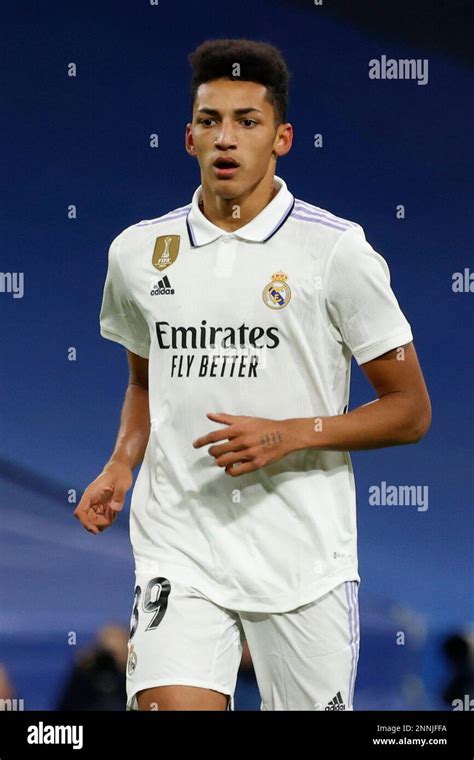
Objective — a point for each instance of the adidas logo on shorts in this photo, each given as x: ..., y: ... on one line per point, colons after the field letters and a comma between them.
x: 163, y: 288
x: 336, y: 703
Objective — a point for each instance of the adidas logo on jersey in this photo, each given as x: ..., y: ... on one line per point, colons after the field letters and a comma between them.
x: 336, y: 703
x: 163, y: 288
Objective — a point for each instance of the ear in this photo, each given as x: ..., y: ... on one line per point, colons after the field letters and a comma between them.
x: 188, y: 141
x: 285, y: 140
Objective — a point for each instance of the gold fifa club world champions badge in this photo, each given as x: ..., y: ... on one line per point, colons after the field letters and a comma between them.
x: 165, y: 251
x: 277, y: 293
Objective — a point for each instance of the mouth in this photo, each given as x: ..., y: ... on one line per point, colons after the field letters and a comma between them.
x: 225, y: 167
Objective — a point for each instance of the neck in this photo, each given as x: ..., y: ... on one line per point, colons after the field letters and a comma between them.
x: 232, y: 213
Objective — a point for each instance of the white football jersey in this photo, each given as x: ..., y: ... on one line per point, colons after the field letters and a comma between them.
x: 262, y: 321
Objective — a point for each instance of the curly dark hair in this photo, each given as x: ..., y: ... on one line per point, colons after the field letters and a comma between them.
x: 258, y: 62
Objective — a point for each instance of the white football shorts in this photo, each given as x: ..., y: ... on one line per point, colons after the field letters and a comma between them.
x: 305, y: 659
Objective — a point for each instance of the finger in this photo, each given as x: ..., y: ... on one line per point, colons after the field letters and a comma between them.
x: 104, y: 521
x: 100, y: 516
x: 89, y: 525
x: 234, y: 458
x: 111, y: 514
x: 241, y: 470
x: 225, y: 448
x: 92, y: 495
x: 87, y: 504
x: 227, y: 419
x: 84, y: 503
x: 81, y: 515
x: 118, y: 497
x: 223, y: 434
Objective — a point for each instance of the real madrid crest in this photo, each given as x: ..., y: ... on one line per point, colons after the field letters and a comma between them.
x: 277, y: 293
x: 165, y: 251
x: 132, y: 659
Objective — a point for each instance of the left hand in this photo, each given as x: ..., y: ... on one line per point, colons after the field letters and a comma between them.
x: 253, y: 441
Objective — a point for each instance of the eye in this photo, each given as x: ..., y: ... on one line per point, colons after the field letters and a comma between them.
x: 252, y: 121
x: 201, y: 121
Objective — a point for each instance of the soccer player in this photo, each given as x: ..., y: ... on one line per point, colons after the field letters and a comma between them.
x: 240, y: 313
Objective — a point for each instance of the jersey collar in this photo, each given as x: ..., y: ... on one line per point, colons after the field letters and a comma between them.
x: 262, y: 227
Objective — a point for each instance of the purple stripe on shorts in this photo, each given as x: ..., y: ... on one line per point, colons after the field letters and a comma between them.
x: 352, y: 602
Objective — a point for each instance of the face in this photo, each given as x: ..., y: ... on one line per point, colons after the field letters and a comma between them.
x: 233, y: 120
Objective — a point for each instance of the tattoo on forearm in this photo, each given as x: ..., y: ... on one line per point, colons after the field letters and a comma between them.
x: 271, y: 439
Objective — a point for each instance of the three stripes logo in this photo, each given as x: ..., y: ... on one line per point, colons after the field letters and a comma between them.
x: 163, y: 288
x: 336, y: 703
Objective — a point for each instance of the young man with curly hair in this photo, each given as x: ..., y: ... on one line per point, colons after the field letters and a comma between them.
x: 240, y: 313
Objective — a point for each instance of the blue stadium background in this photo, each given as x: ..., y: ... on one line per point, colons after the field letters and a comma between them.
x: 85, y: 141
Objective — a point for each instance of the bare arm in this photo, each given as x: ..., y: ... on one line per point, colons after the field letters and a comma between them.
x: 400, y: 414
x: 134, y: 428
x: 105, y: 496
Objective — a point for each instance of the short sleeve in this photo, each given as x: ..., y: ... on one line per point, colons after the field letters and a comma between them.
x: 120, y: 318
x: 360, y: 301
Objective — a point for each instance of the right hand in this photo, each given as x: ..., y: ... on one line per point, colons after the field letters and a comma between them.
x: 104, y: 497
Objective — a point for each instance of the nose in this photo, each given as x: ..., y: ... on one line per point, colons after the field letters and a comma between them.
x: 226, y: 136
